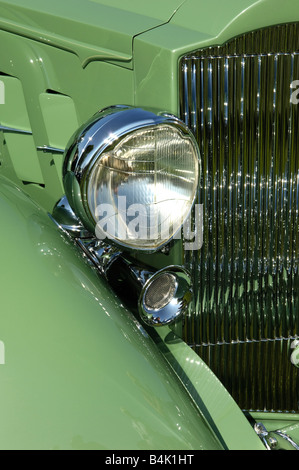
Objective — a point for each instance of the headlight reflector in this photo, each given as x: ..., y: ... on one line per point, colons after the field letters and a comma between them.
x: 132, y: 177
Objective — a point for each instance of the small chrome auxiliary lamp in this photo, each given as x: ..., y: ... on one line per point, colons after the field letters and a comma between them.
x: 161, y: 297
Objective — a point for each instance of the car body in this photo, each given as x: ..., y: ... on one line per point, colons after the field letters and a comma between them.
x: 79, y: 367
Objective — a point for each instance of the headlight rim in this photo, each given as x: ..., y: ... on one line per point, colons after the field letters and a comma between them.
x: 79, y: 162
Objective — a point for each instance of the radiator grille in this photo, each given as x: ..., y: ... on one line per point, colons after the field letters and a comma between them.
x: 240, y: 101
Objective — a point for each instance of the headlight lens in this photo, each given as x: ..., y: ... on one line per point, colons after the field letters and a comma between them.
x: 140, y: 184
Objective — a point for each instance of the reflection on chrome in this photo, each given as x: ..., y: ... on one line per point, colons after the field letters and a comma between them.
x: 160, y: 297
x: 144, y: 158
x: 237, y: 99
x: 165, y: 296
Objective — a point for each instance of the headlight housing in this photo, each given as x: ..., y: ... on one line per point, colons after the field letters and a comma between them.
x: 131, y: 176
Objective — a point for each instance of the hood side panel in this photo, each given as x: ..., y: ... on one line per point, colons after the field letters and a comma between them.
x: 90, y: 29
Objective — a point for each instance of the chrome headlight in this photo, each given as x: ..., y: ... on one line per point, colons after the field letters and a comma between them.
x: 131, y: 176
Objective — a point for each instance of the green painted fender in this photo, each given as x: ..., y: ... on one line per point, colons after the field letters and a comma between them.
x: 76, y: 369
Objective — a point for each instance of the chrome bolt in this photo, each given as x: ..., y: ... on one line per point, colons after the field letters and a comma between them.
x: 272, y: 442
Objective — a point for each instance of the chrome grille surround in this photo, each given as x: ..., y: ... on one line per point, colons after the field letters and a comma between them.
x: 237, y: 99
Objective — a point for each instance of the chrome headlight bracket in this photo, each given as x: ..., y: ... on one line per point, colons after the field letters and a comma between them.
x: 160, y: 298
x: 151, y: 158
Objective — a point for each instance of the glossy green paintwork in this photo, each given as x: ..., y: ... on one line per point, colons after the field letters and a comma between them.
x: 53, y: 105
x: 198, y: 23
x: 48, y: 77
x: 80, y: 372
x: 93, y: 30
x: 225, y: 419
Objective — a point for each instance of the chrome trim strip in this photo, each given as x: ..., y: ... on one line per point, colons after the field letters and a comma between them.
x: 287, y: 438
x: 47, y: 149
x: 14, y: 130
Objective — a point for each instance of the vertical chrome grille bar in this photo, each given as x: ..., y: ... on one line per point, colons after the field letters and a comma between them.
x: 237, y: 100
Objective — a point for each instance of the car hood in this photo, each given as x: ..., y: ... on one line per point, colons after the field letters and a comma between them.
x: 92, y: 29
x: 223, y: 20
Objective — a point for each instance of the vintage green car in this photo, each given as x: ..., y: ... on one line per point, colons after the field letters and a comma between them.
x: 149, y: 195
